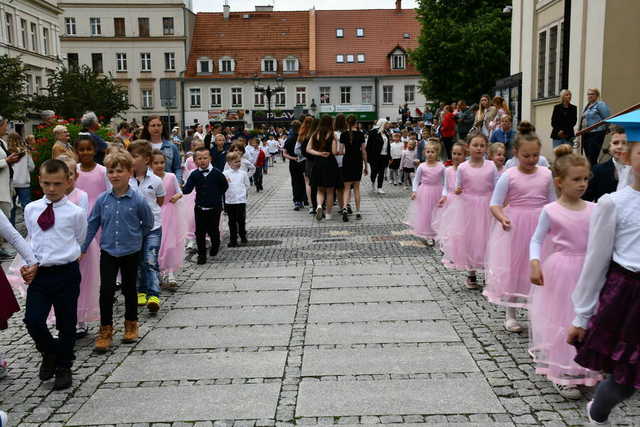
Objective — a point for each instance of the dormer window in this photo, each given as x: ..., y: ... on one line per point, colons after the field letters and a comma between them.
x: 290, y: 64
x: 349, y: 58
x: 339, y: 59
x: 398, y: 59
x: 226, y: 64
x: 339, y: 32
x: 359, y: 32
x: 205, y: 66
x: 269, y: 65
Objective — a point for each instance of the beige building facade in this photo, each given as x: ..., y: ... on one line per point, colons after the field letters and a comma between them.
x: 143, y: 44
x: 575, y: 45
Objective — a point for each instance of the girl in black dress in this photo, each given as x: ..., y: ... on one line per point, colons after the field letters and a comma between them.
x: 325, y: 172
x: 355, y: 157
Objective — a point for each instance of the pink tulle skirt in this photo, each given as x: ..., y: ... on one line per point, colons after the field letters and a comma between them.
x: 174, y: 230
x: 421, y: 210
x: 439, y: 223
x: 507, y: 272
x: 550, y: 316
x: 189, y: 202
x: 465, y: 237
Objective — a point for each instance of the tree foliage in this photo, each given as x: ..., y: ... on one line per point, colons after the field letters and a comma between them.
x: 13, y: 83
x: 464, y: 47
x: 72, y: 92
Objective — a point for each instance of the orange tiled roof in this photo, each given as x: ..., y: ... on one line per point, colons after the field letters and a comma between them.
x: 384, y: 30
x: 276, y: 34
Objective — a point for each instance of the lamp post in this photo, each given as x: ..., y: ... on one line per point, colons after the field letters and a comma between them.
x: 268, y: 92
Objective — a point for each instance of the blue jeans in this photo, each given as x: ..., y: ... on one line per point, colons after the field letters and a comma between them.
x: 24, y: 195
x: 560, y: 141
x: 148, y: 270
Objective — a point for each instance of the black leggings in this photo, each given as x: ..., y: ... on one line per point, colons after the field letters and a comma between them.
x: 609, y: 394
x: 448, y: 146
x: 377, y: 169
x: 592, y: 145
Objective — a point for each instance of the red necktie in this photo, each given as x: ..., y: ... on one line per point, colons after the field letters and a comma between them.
x: 47, y: 218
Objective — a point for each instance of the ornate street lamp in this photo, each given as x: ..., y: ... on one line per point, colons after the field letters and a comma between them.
x: 268, y: 92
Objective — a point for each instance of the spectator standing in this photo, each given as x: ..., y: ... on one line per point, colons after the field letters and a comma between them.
x: 379, y: 153
x: 448, y: 130
x: 464, y: 119
x: 563, y: 120
x: 90, y: 125
x: 505, y: 134
x: 593, y: 112
x: 21, y: 173
x: 62, y: 145
x: 7, y: 160
x: 155, y: 132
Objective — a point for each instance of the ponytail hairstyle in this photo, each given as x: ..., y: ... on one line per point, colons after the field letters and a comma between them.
x: 351, y: 122
x: 526, y: 128
x: 565, y: 159
x: 522, y: 138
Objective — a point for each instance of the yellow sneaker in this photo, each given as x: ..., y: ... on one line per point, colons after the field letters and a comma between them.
x: 153, y: 304
x: 142, y: 299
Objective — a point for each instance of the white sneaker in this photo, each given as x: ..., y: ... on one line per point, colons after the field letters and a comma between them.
x: 512, y: 325
x: 4, y: 420
x: 171, y: 278
x: 381, y: 191
x: 570, y: 392
x: 591, y: 420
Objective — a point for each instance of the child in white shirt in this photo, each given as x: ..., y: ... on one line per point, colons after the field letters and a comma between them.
x: 235, y: 199
x: 394, y: 163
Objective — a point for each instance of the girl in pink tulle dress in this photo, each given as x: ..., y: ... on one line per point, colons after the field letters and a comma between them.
x: 464, y: 242
x: 92, y: 177
x: 497, y: 154
x: 563, y: 230
x: 171, y: 255
x: 427, y: 190
x: 440, y: 222
x: 524, y: 190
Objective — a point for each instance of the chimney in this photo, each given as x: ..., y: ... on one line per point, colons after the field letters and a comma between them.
x: 225, y: 10
x: 398, y: 5
x: 267, y: 8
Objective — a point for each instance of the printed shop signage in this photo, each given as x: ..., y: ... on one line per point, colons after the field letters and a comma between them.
x: 275, y: 115
x: 225, y: 115
x: 347, y: 108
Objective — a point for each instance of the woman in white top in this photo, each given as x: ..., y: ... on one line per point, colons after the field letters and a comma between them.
x: 607, y: 296
x: 22, y: 169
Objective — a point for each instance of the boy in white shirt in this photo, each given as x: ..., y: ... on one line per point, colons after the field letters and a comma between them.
x: 235, y: 199
x: 145, y: 182
x: 396, y: 153
x: 57, y: 229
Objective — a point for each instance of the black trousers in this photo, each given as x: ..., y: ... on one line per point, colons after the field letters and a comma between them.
x: 110, y: 265
x: 57, y: 286
x: 377, y: 169
x: 237, y: 214
x: 257, y: 178
x: 207, y: 222
x: 448, y: 146
x: 296, y: 170
x: 592, y: 145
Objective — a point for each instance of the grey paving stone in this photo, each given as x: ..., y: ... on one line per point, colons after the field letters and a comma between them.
x: 427, y: 425
x: 387, y: 361
x: 366, y: 280
x: 224, y: 299
x: 447, y: 396
x: 236, y: 273
x: 165, y: 367
x: 411, y: 293
x: 229, y: 316
x: 192, y: 403
x: 241, y: 336
x: 374, y: 312
x: 281, y: 283
x: 359, y: 269
x: 374, y: 332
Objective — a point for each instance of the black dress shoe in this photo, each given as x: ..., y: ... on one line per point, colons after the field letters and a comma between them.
x: 244, y: 240
x: 48, y: 367
x: 202, y: 260
x: 214, y: 250
x: 232, y: 245
x: 63, y: 379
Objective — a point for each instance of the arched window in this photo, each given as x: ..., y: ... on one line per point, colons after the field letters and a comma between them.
x: 398, y: 59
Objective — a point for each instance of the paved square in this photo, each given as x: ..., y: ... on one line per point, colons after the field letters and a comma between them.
x: 229, y: 316
x: 261, y: 284
x: 383, y: 311
x: 226, y: 299
x: 380, y: 332
x: 365, y: 280
x: 412, y: 293
x: 202, y: 337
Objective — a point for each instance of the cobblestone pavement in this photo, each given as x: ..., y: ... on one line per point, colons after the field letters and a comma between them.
x: 312, y: 323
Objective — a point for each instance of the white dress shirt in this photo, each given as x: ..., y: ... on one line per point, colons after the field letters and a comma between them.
x: 61, y: 243
x: 14, y: 238
x: 614, y: 234
x: 245, y: 165
x: 151, y: 188
x: 238, y: 186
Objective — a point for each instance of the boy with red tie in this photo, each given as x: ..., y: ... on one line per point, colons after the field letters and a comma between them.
x: 56, y: 229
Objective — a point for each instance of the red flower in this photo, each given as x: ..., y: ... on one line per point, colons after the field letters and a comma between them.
x: 101, y: 117
x: 72, y: 119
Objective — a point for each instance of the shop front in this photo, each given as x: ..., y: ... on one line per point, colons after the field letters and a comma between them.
x: 363, y: 113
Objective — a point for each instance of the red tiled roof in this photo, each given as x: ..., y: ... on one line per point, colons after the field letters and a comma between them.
x: 276, y: 34
x: 384, y: 30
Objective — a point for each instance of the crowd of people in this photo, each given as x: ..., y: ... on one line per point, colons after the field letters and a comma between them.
x: 120, y: 216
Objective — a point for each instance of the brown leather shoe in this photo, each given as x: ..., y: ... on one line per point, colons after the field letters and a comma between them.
x: 130, y: 331
x: 104, y: 339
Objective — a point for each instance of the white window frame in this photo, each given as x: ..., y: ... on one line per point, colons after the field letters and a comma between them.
x: 8, y: 19
x: 411, y: 92
x: 326, y: 100
x: 235, y: 93
x: 24, y: 33
x: 95, y: 26
x: 361, y: 57
x: 546, y: 93
x: 145, y: 62
x: 147, y: 99
x: 359, y: 32
x: 45, y: 41
x: 165, y: 31
x: 301, y: 95
x: 398, y: 61
x: 340, y: 33
x: 121, y: 62
x: 350, y: 58
x: 280, y: 99
x: 296, y: 64
x: 209, y: 63
x: 340, y: 58
x: 369, y: 99
x: 34, y: 37
x: 385, y: 99
x: 169, y: 61
x: 232, y: 64
x: 269, y: 60
x: 258, y: 99
x: 195, y: 97
x: 217, y: 93
x: 345, y: 95
x: 70, y: 26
